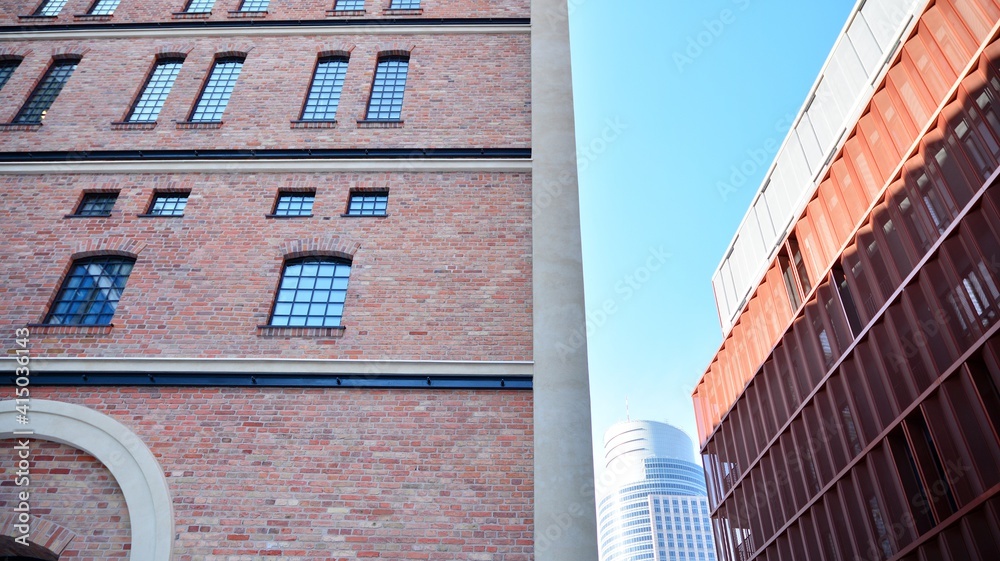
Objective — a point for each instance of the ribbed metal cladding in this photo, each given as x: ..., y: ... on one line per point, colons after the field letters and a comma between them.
x: 853, y: 411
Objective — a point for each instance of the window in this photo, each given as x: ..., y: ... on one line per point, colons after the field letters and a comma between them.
x: 96, y: 204
x: 312, y: 293
x: 7, y: 68
x: 368, y: 204
x: 349, y: 5
x: 404, y: 5
x: 50, y: 8
x: 147, y: 107
x: 46, y: 92
x: 168, y: 204
x: 215, y: 95
x: 386, y: 102
x: 324, y: 94
x: 254, y: 5
x: 103, y: 7
x: 294, y: 204
x: 90, y: 292
x: 794, y: 273
x: 199, y: 6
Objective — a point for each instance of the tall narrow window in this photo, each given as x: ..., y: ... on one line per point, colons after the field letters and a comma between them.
x: 103, y: 7
x: 312, y: 293
x: 91, y: 291
x: 215, y: 95
x: 386, y: 103
x: 404, y: 5
x: 324, y: 93
x: 50, y: 8
x: 7, y: 68
x: 349, y: 5
x: 147, y: 107
x: 46, y: 92
x: 788, y: 275
x: 199, y: 6
x: 254, y: 5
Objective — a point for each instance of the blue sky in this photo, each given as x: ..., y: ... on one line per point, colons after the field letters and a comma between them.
x: 670, y: 95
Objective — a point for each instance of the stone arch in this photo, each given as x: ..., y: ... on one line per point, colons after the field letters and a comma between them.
x: 132, y: 464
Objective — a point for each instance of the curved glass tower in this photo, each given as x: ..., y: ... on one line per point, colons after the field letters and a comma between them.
x: 655, y: 505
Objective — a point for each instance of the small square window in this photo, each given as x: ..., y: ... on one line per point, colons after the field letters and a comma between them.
x: 368, y: 204
x: 96, y: 204
x: 294, y: 204
x: 168, y: 204
x: 349, y: 5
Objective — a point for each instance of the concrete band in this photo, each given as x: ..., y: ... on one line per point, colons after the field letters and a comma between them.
x: 278, y: 365
x: 267, y: 166
x: 131, y: 463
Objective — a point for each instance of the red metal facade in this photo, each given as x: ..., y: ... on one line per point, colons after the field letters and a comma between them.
x: 853, y: 411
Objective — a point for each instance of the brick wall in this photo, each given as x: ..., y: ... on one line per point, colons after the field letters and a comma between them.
x: 461, y: 91
x: 74, y: 490
x: 130, y: 11
x: 307, y: 474
x: 446, y: 276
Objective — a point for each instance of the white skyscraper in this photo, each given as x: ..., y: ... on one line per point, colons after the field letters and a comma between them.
x: 654, y: 505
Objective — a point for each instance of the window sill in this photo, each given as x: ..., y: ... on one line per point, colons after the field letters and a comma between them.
x: 33, y: 17
x: 285, y: 216
x: 187, y: 125
x: 70, y: 329
x: 395, y: 12
x: 314, y: 124
x: 133, y: 126
x: 87, y: 215
x: 92, y: 17
x: 160, y: 215
x: 344, y: 13
x: 366, y: 124
x: 283, y: 331
x: 239, y: 14
x: 192, y: 15
x: 345, y: 215
x: 20, y: 126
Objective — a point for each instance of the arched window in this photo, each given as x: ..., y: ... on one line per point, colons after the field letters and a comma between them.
x: 312, y: 293
x: 388, y: 86
x: 91, y: 290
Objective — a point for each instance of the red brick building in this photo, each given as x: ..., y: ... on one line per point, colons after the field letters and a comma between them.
x: 279, y: 282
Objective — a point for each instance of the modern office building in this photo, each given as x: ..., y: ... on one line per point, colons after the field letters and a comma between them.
x: 654, y: 505
x: 852, y: 409
x: 293, y: 279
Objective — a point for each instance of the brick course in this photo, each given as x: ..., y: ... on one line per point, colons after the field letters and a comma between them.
x: 461, y: 91
x: 446, y: 276
x: 131, y: 11
x: 305, y: 473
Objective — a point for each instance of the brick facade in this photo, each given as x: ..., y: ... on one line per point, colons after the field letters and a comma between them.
x: 443, y: 284
x: 445, y: 276
x: 305, y: 474
x: 461, y: 91
x: 163, y: 10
